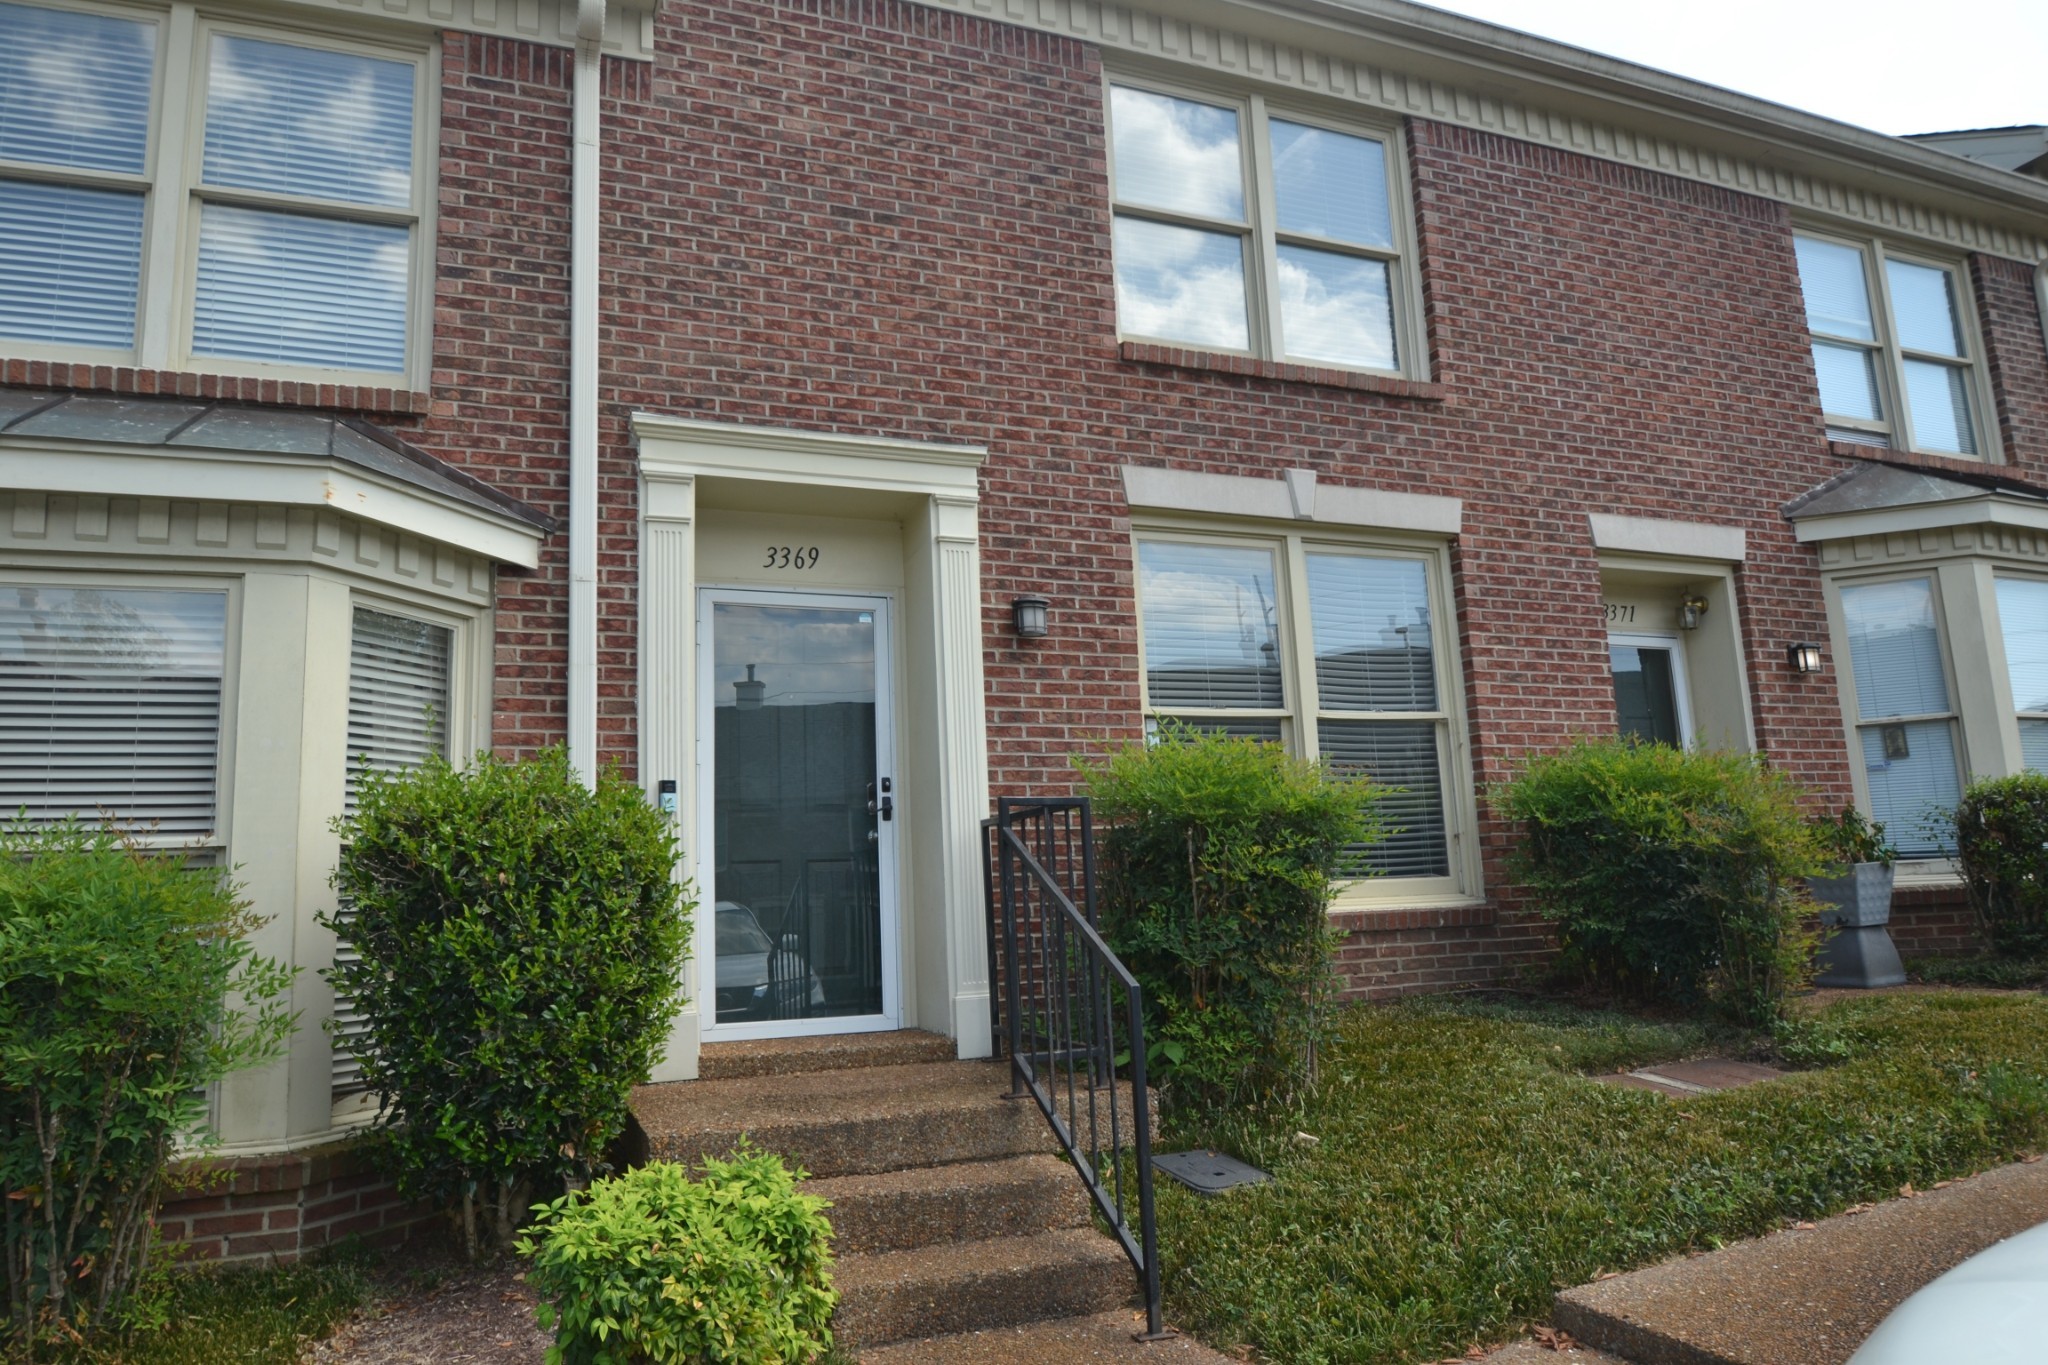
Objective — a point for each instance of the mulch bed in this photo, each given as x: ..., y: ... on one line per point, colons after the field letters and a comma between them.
x: 450, y: 1314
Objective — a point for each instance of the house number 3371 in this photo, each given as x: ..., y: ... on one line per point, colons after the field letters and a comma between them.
x: 791, y: 557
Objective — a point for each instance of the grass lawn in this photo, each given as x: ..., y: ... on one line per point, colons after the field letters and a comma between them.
x: 241, y: 1317
x: 1464, y: 1168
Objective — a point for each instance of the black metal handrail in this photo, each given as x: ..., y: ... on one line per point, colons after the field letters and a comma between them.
x: 1070, y: 1016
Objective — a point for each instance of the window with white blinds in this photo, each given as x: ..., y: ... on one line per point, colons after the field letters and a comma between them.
x: 398, y: 700
x: 1222, y: 623
x: 2023, y: 621
x: 75, y: 95
x: 110, y: 700
x: 1906, y: 725
x: 302, y: 160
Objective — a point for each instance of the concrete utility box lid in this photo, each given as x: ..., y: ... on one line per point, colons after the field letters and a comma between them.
x: 1209, y: 1172
x: 1990, y: 1310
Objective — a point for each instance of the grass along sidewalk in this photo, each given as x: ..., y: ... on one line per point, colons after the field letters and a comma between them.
x: 1464, y: 1168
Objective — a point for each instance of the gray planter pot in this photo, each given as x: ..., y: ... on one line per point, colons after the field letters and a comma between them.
x: 1857, y: 900
x: 1859, y: 904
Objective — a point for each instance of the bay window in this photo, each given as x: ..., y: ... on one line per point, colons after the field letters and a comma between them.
x: 1905, y: 721
x: 110, y: 701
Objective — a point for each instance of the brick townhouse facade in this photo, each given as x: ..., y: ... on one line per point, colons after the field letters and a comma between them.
x: 707, y: 387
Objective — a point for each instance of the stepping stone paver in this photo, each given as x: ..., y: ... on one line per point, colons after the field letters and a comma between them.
x: 1702, y: 1077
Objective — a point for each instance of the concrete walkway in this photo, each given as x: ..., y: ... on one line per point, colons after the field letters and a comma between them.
x: 1807, y: 1295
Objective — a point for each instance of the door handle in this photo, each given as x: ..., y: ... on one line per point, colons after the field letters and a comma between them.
x: 882, y: 806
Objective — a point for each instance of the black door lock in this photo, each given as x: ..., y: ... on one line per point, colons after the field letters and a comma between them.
x: 882, y: 806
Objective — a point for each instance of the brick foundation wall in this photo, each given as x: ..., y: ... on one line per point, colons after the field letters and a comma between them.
x: 1934, y: 922
x: 278, y: 1208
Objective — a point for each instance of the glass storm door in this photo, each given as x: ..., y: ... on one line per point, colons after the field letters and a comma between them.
x: 1649, y: 688
x: 798, y: 797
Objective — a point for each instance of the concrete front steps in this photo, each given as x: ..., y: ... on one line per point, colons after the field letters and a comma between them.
x: 949, y: 1213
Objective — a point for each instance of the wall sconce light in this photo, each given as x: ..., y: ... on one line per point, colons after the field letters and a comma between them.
x: 1803, y: 658
x: 1030, y: 617
x: 1691, y: 608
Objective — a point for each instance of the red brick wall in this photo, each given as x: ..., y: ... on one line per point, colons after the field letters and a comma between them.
x: 864, y: 216
x: 2015, y: 350
x: 876, y: 218
x: 281, y: 1207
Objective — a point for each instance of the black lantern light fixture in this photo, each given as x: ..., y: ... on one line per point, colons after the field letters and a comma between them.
x: 1804, y: 658
x: 1031, y: 617
x: 1691, y: 607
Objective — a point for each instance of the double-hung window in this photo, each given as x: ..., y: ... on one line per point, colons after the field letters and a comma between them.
x: 1894, y: 347
x: 180, y: 192
x: 1334, y: 649
x: 1905, y: 716
x: 1242, y: 228
x: 399, y: 694
x: 2023, y: 623
x: 111, y: 704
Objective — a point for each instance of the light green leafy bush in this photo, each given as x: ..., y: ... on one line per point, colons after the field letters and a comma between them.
x: 118, y: 972
x: 519, y: 945
x: 1218, y: 858
x: 2002, y: 843
x: 1670, y: 873
x: 654, y: 1268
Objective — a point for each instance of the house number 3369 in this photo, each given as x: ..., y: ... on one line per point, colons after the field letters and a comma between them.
x: 791, y: 557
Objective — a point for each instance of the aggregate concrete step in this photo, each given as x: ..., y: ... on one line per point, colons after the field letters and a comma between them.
x: 941, y: 1205
x: 854, y: 1122
x: 1806, y: 1295
x: 1103, y: 1339
x: 967, y: 1286
x: 826, y: 1052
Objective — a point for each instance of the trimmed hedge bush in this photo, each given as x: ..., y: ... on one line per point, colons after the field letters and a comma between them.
x: 1217, y: 859
x: 2002, y: 843
x: 730, y: 1269
x: 519, y: 943
x: 1668, y: 872
x: 117, y: 968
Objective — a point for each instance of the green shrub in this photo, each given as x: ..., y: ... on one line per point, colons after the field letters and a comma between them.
x: 651, y: 1266
x: 519, y: 942
x: 1988, y: 969
x: 1853, y: 837
x: 1669, y: 873
x: 1217, y: 859
x: 2002, y: 843
x: 117, y: 969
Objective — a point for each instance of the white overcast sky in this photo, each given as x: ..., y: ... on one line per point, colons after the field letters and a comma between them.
x: 1894, y: 66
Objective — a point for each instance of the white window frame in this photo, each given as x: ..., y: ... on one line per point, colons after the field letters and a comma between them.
x: 55, y: 576
x: 174, y: 196
x: 1301, y: 711
x: 1261, y: 237
x: 1924, y: 867
x: 1681, y: 680
x: 1895, y: 428
x: 2009, y: 715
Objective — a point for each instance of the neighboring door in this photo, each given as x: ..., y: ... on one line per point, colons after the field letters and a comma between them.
x: 797, y: 797
x: 1650, y: 698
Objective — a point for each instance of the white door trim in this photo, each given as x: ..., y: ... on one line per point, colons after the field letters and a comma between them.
x: 1681, y: 685
x: 887, y: 764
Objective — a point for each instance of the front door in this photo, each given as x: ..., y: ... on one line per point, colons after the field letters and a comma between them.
x: 797, y: 933
x: 1650, y: 700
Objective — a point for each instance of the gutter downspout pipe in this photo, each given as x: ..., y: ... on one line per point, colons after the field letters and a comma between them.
x: 583, y: 366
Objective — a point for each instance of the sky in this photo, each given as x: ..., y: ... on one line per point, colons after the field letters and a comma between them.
x: 1892, y: 66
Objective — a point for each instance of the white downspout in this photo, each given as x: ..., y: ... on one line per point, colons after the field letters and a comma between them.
x: 583, y: 261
